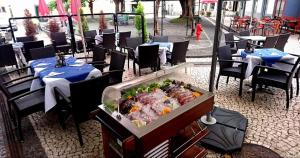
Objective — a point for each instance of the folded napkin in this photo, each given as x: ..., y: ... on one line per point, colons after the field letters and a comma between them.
x: 77, y: 64
x: 41, y: 64
x: 54, y: 74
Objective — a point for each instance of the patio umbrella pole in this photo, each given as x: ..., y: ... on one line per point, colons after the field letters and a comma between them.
x: 81, y: 34
x: 208, y: 119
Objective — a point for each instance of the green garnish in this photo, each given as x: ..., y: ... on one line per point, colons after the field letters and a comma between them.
x: 111, y: 106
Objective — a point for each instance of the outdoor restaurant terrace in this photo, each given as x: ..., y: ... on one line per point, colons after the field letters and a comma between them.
x: 213, y: 81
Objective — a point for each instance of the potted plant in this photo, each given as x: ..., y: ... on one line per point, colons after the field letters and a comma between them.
x: 102, y: 22
x: 53, y: 26
x: 30, y: 27
x: 84, y: 23
x: 138, y: 21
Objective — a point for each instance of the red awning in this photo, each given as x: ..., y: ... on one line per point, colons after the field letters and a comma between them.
x: 208, y: 1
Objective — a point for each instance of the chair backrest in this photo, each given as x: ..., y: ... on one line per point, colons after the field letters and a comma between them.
x: 25, y: 39
x: 108, y: 31
x: 43, y: 52
x: 59, y: 38
x: 148, y: 55
x: 133, y: 42
x: 241, y: 44
x: 98, y: 53
x: 293, y: 72
x: 160, y: 38
x: 245, y: 33
x: 109, y: 40
x: 224, y: 53
x: 282, y: 39
x: 7, y: 55
x: 179, y: 52
x: 229, y: 37
x: 270, y: 41
x: 90, y: 33
x: 122, y: 38
x: 29, y: 45
x: 86, y: 96
x: 117, y: 62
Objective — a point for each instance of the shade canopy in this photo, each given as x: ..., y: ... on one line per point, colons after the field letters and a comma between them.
x: 75, y: 4
x: 43, y: 8
x: 61, y: 10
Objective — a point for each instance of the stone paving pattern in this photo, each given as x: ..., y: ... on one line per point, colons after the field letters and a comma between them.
x: 269, y: 125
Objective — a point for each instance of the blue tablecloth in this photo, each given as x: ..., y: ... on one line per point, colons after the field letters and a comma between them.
x: 69, y: 72
x: 268, y: 55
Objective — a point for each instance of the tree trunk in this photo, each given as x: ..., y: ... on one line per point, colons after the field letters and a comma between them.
x: 91, y: 6
x: 122, y: 5
x: 182, y: 4
x: 156, y: 24
x: 117, y: 5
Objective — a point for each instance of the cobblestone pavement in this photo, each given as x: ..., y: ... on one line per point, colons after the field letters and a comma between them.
x: 269, y: 124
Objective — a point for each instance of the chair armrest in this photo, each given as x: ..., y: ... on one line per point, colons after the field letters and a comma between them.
x: 7, y: 82
x: 6, y: 73
x: 99, y: 63
x: 112, y: 71
x: 242, y: 62
x: 58, y: 93
x: 25, y: 94
x: 30, y: 79
x: 269, y: 68
x: 236, y: 56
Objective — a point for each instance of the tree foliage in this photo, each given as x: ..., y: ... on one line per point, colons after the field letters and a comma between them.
x: 138, y: 20
x: 84, y: 23
x: 52, y: 4
x: 30, y: 27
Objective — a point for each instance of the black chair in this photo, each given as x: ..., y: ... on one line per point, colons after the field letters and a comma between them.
x: 16, y: 86
x: 30, y: 45
x: 85, y: 97
x: 147, y: 57
x: 131, y: 45
x: 116, y: 67
x: 27, y: 103
x: 270, y: 41
x: 229, y: 39
x: 245, y: 33
x: 44, y: 52
x: 239, y: 45
x: 227, y: 68
x: 59, y: 41
x: 122, y: 39
x: 282, y: 40
x: 90, y: 39
x: 160, y: 38
x: 7, y: 56
x: 98, y: 59
x: 279, y: 78
x: 108, y: 31
x: 109, y: 40
x: 178, y: 53
x: 25, y: 39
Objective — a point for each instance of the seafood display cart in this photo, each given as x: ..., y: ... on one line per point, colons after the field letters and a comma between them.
x: 155, y: 115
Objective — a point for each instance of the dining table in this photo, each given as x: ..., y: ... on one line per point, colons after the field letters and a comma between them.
x: 164, y: 49
x: 50, y: 76
x: 252, y: 38
x: 267, y: 56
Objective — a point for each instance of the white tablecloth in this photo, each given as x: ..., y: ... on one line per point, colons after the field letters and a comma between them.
x: 50, y: 83
x: 162, y: 52
x: 252, y: 38
x: 255, y: 60
x: 19, y: 55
